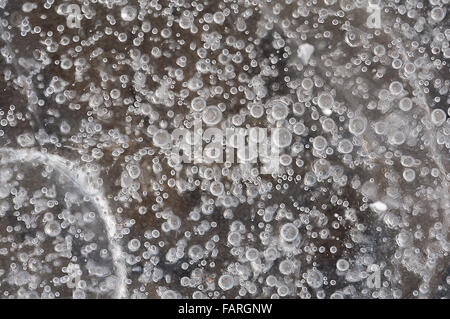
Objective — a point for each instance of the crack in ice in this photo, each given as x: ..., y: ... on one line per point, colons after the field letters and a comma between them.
x: 80, y: 178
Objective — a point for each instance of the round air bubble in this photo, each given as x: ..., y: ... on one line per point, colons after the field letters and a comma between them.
x: 252, y: 254
x: 285, y: 159
x: 380, y: 128
x: 307, y: 84
x: 226, y: 282
x: 161, y: 138
x: 345, y: 146
x: 237, y: 120
x: 198, y: 104
x: 396, y: 88
x: 128, y: 13
x: 438, y: 117
x: 64, y: 127
x: 216, y: 188
x: 438, y: 14
x: 271, y: 253
x: 342, y: 265
x: 379, y: 50
x: 289, y: 232
x: 407, y: 161
x: 257, y: 110
x: 398, y: 138
x: 325, y: 101
x: 320, y: 143
x: 234, y: 238
x: 314, y: 279
x: 279, y: 110
x: 286, y: 267
x: 410, y: 68
x: 282, y: 137
x: 186, y: 20
x: 212, y: 115
x: 195, y: 253
x: 134, y: 171
x: 219, y: 17
x: 298, y: 108
x: 66, y: 64
x: 271, y: 281
x: 146, y: 26
x: 115, y: 94
x: 357, y: 125
x: 405, y: 104
x: 299, y: 128
x: 409, y: 175
x: 328, y: 125
x: 134, y: 244
x: 52, y: 228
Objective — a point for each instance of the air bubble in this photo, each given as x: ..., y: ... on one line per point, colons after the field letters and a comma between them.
x: 134, y: 244
x: 438, y: 117
x: 52, y: 228
x: 286, y: 267
x: 198, y: 104
x: 438, y: 14
x: 252, y: 254
x: 357, y: 125
x: 216, y: 188
x: 314, y: 279
x: 234, y: 238
x: 325, y: 101
x: 281, y: 137
x: 405, y: 104
x: 279, y: 110
x: 226, y: 282
x: 219, y: 17
x: 212, y: 115
x: 289, y: 232
x: 345, y: 146
x: 409, y: 175
x: 320, y: 143
x: 396, y: 88
x: 257, y: 110
x: 128, y: 13
x: 161, y: 138
x: 342, y: 265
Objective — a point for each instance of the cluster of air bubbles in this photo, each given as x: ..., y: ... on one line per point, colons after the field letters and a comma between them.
x: 224, y: 149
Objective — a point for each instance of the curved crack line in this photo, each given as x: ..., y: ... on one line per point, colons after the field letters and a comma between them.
x: 80, y: 179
